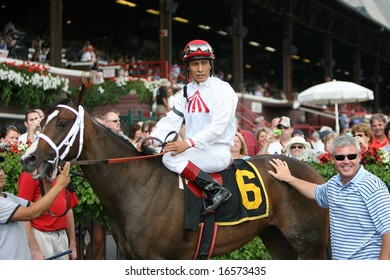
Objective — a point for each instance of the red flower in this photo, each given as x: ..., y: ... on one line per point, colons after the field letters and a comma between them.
x: 370, y: 155
x: 324, y: 158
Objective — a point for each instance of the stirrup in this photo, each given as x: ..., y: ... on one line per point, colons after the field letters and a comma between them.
x: 223, y: 195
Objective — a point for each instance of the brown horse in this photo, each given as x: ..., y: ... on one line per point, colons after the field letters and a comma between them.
x: 146, y: 208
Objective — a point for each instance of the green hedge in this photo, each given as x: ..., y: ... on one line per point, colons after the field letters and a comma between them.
x: 109, y: 92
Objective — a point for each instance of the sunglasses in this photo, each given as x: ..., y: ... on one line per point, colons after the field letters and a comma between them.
x: 196, y: 47
x: 115, y: 121
x: 282, y: 127
x: 297, y: 147
x: 342, y: 157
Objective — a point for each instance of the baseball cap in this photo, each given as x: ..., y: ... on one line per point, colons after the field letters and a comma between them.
x: 284, y: 121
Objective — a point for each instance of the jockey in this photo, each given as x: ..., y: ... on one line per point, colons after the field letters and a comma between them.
x: 207, y: 106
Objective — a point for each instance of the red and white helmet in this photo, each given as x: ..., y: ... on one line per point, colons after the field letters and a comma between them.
x: 196, y: 50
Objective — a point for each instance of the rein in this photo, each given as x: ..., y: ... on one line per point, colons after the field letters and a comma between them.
x: 66, y: 197
x: 112, y: 160
x: 126, y: 159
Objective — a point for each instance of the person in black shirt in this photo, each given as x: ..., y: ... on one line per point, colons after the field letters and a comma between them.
x: 162, y: 100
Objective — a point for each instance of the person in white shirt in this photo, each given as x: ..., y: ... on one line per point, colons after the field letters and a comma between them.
x: 32, y: 122
x: 287, y: 129
x: 316, y: 142
x: 89, y: 55
x: 207, y: 105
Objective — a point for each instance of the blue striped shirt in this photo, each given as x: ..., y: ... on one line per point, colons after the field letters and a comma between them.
x: 359, y: 214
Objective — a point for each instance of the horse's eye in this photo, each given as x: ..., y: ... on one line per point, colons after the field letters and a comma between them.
x: 62, y: 122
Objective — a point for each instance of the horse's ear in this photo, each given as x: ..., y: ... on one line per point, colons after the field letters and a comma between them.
x: 80, y: 97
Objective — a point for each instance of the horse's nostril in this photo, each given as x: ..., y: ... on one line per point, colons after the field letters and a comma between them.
x: 29, y: 162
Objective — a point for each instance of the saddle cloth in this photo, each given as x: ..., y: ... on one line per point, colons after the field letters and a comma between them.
x: 249, y: 200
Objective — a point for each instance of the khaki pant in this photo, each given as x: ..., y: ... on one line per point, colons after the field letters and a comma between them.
x: 52, y: 242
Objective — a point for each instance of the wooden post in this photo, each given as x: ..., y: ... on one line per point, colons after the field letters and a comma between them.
x: 377, y: 80
x: 356, y: 60
x: 167, y: 8
x: 238, y: 34
x: 56, y: 33
x: 328, y: 57
x: 287, y: 61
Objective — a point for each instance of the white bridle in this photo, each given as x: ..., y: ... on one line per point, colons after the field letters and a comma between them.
x: 78, y: 127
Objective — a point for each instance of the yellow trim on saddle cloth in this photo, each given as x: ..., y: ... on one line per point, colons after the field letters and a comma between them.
x: 259, y: 192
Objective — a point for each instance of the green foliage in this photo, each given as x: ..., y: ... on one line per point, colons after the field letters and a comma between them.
x: 109, y: 92
x: 12, y: 168
x: 30, y: 86
x: 89, y: 206
x: 144, y: 94
x: 254, y: 250
x: 380, y: 170
x: 327, y: 170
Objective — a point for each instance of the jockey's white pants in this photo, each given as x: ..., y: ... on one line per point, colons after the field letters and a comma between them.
x: 216, y: 158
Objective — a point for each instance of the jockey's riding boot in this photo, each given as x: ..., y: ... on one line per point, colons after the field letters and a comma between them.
x: 205, y: 182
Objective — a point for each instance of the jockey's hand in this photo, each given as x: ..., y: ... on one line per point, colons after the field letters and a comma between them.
x: 176, y: 147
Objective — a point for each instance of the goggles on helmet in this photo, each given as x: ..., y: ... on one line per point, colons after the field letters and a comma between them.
x: 194, y: 48
x: 198, y: 49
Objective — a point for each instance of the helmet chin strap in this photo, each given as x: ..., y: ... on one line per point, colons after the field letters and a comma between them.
x: 67, y: 143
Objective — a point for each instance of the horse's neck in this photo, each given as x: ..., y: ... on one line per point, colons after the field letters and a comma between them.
x: 111, y: 182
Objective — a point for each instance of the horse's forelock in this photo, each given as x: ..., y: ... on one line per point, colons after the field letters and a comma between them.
x: 64, y: 101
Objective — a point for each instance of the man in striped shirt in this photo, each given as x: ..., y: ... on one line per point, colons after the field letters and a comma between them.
x: 358, y: 202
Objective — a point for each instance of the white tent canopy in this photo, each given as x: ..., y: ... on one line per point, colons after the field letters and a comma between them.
x: 335, y: 92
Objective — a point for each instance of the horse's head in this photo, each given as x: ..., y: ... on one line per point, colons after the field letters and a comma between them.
x: 61, y: 139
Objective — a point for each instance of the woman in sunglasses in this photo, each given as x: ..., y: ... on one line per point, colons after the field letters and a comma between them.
x: 358, y: 203
x: 207, y: 105
x: 298, y: 147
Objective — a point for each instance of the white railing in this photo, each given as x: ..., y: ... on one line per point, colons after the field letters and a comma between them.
x: 51, y: 69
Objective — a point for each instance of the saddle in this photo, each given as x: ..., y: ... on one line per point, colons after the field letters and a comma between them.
x: 249, y: 201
